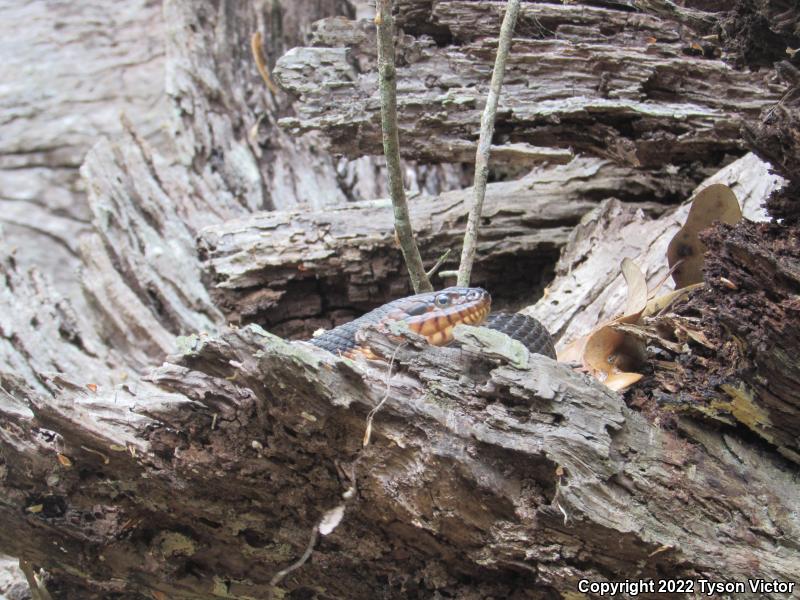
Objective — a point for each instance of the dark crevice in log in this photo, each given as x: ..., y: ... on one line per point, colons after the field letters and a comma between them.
x: 489, y: 473
x: 320, y: 269
x: 758, y: 33
x: 776, y: 138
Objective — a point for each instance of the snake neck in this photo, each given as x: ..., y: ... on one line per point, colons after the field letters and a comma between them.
x: 434, y: 315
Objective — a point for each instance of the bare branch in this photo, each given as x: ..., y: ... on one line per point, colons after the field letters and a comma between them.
x: 257, y: 48
x: 391, y: 146
x: 432, y: 271
x: 485, y: 142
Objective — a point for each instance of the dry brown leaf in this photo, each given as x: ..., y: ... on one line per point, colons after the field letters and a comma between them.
x: 715, y: 203
x: 637, y: 288
x: 621, y: 380
x: 599, y: 353
x: 660, y: 304
x: 609, y: 353
x: 64, y: 460
x: 573, y: 352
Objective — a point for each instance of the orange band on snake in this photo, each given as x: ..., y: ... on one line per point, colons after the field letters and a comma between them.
x: 434, y: 315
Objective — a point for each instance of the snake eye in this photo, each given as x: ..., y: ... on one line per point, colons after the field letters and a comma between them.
x: 442, y: 300
x: 472, y: 295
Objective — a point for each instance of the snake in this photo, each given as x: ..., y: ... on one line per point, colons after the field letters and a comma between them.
x: 434, y: 315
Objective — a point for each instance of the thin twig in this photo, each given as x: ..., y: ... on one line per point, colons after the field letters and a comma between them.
x: 257, y: 48
x: 374, y: 411
x: 438, y: 264
x: 387, y: 78
x: 485, y: 142
x: 297, y: 564
x: 37, y: 589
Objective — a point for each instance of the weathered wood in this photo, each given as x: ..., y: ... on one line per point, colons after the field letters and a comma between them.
x: 776, y: 138
x: 68, y: 71
x: 747, y: 371
x: 610, y: 82
x: 479, y: 474
x: 589, y: 288
x: 294, y: 272
x: 73, y: 70
x: 490, y: 473
x: 752, y: 380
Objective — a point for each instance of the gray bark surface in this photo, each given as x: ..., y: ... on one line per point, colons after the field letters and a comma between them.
x: 149, y: 450
x: 588, y: 287
x: 608, y: 81
x: 182, y: 75
x: 551, y: 477
x: 296, y: 271
x: 68, y: 71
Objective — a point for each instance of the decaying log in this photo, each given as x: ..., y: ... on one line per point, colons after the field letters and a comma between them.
x: 746, y: 370
x: 748, y: 312
x: 589, y: 288
x: 68, y: 70
x: 296, y: 271
x: 776, y: 138
x: 639, y: 88
x: 488, y: 474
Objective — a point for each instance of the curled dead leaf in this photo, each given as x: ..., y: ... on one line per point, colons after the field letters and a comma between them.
x: 573, y: 352
x: 610, y: 354
x: 622, y: 380
x: 714, y: 203
x: 637, y: 288
x: 660, y: 304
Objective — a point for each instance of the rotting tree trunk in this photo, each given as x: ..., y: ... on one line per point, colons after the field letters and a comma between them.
x: 294, y: 272
x: 501, y: 474
x: 640, y: 88
x: 490, y: 472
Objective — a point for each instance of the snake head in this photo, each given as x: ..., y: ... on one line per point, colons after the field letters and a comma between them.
x: 435, y: 314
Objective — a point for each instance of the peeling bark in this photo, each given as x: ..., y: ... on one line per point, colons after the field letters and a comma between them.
x: 589, y: 288
x: 490, y: 472
x: 548, y: 471
x: 295, y: 272
x: 623, y: 85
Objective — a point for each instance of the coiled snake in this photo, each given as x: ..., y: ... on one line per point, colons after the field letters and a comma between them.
x: 434, y: 315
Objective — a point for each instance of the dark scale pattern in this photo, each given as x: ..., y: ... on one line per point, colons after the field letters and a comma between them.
x: 526, y: 329
x: 529, y: 331
x: 342, y: 339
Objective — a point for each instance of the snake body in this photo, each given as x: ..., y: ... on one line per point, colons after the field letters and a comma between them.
x: 434, y: 315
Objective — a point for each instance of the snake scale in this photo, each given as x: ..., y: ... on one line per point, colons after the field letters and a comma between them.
x: 434, y: 315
